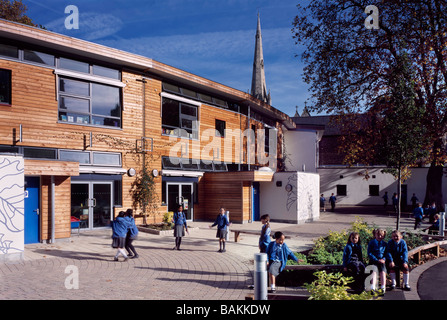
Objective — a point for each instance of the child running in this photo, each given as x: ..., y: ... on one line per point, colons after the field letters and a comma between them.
x: 277, y: 254
x: 397, y: 259
x: 376, y: 255
x: 119, y: 229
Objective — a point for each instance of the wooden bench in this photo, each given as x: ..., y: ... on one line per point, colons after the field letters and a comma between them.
x: 416, y: 253
x: 237, y: 234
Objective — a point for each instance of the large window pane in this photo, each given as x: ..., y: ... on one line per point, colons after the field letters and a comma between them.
x: 170, y: 115
x: 104, y: 121
x: 74, y: 87
x: 106, y: 100
x: 75, y: 104
x: 189, y: 110
x: 38, y: 57
x: 74, y: 65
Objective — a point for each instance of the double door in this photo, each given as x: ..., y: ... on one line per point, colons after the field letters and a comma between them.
x: 181, y: 194
x: 92, y: 203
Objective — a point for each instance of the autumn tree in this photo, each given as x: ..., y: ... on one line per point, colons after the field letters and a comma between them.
x: 348, y: 65
x: 15, y: 11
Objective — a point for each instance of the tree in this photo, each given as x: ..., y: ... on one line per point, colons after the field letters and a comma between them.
x: 349, y: 66
x: 15, y: 11
x: 144, y: 194
x: 403, y: 139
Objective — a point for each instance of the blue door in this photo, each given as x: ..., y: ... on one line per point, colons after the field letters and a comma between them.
x: 255, y: 209
x: 32, y: 187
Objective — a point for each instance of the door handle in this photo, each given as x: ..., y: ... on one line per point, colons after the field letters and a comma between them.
x: 93, y: 202
x: 37, y: 211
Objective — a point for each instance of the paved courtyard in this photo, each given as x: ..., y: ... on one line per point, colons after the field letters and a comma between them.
x: 197, y: 272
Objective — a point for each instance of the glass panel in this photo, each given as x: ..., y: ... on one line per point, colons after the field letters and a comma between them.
x: 170, y: 114
x: 74, y: 87
x: 74, y: 65
x: 189, y: 93
x: 189, y: 110
x: 75, y: 104
x: 74, y: 118
x: 170, y: 87
x: 220, y: 102
x: 220, y: 166
x: 173, y: 197
x: 106, y: 72
x: 206, y: 98
x: 187, y: 200
x: 110, y: 122
x: 79, y: 203
x: 37, y: 153
x: 9, y: 51
x: 38, y: 57
x: 190, y: 164
x: 168, y: 164
x: 106, y: 100
x: 81, y: 157
x: 110, y: 159
x: 5, y: 86
x: 102, y: 204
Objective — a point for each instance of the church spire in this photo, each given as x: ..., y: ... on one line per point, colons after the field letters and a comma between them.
x: 258, y: 86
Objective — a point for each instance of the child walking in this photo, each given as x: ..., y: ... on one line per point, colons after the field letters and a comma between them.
x: 119, y: 229
x: 397, y: 259
x: 353, y: 260
x: 277, y: 254
x: 222, y: 224
x: 418, y: 214
x: 264, y: 239
x: 132, y: 234
x: 180, y: 225
x: 376, y: 255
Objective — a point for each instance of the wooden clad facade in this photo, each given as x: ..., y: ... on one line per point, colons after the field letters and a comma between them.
x: 32, y: 119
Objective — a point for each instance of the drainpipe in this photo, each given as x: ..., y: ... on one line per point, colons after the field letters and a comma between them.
x: 53, y: 210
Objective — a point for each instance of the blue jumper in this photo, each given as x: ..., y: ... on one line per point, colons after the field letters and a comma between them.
x: 418, y: 213
x: 221, y: 222
x: 376, y: 250
x: 281, y: 253
x: 180, y: 219
x: 119, y: 227
x: 132, y: 228
x: 397, y: 252
x: 350, y: 250
x: 264, y: 239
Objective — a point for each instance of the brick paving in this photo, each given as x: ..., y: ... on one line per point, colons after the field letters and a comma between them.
x: 197, y: 272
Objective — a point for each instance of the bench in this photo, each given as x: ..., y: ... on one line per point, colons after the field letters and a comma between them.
x: 237, y: 233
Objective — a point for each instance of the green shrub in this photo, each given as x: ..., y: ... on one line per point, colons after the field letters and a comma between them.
x: 334, y: 286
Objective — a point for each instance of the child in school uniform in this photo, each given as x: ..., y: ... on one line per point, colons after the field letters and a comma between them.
x: 222, y: 223
x: 418, y: 214
x: 132, y: 234
x: 264, y: 239
x: 353, y: 260
x: 277, y: 255
x: 119, y: 232
x: 180, y: 225
x: 397, y: 258
x: 376, y: 255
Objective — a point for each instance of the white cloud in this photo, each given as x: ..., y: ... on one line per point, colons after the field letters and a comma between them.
x: 92, y: 26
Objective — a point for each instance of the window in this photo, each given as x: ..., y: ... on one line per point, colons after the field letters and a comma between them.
x: 91, y: 103
x: 9, y: 51
x: 75, y: 156
x: 179, y: 119
x: 266, y: 140
x: 341, y: 190
x: 38, y: 57
x: 5, y: 86
x: 74, y: 65
x: 374, y: 190
x: 220, y: 128
x: 39, y: 153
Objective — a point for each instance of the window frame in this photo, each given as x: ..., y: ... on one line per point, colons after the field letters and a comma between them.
x: 169, y: 130
x: 9, y: 98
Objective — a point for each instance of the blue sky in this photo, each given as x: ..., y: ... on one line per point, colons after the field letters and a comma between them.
x: 214, y: 39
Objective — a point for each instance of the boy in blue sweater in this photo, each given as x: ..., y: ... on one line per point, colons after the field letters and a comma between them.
x: 397, y: 258
x: 418, y: 214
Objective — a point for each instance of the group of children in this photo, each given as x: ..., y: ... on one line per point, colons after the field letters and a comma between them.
x: 382, y: 256
x: 420, y: 213
x: 124, y: 232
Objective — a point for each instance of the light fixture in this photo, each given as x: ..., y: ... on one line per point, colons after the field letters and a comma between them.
x: 131, y: 172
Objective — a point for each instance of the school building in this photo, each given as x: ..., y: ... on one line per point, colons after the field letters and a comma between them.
x: 80, y: 121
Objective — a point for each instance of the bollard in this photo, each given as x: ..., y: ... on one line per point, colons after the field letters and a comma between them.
x: 260, y: 276
x: 441, y: 223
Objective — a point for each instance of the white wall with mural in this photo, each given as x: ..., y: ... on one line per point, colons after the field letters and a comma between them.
x: 12, y: 209
x: 291, y: 197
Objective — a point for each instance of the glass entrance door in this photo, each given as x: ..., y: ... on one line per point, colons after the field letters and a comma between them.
x: 181, y: 194
x: 91, y: 203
